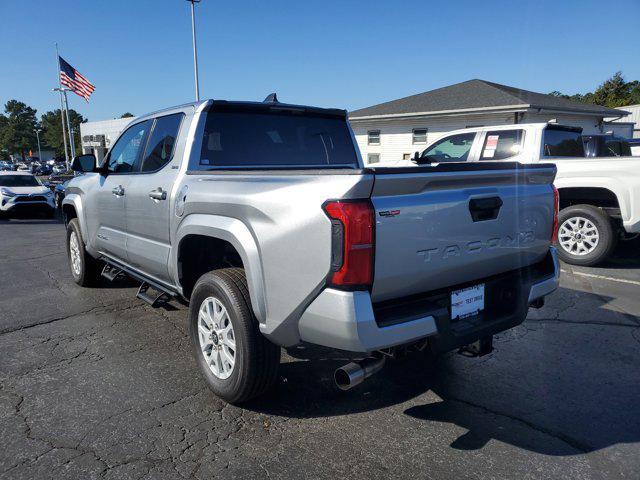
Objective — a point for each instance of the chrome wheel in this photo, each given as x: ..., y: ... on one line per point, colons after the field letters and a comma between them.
x: 578, y: 236
x: 217, y: 339
x: 74, y: 254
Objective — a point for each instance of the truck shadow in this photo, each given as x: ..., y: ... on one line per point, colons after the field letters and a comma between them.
x: 549, y: 387
x: 625, y: 256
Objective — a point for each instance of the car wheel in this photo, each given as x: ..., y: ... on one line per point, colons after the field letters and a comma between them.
x: 237, y: 361
x: 84, y: 268
x: 585, y: 235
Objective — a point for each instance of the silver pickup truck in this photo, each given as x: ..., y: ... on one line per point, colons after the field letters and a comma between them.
x: 263, y: 217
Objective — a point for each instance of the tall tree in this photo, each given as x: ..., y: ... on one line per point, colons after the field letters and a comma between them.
x: 52, y: 130
x: 614, y: 92
x: 17, y: 130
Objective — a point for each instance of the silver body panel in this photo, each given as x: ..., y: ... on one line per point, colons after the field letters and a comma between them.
x: 433, y: 241
x: 275, y: 221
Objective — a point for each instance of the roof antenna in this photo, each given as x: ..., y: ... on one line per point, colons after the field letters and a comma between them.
x: 271, y: 98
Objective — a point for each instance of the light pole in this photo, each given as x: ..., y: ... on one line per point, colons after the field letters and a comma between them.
x: 39, y: 152
x: 195, y: 48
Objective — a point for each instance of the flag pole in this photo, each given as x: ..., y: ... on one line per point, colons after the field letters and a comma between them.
x: 72, y: 147
x: 64, y: 133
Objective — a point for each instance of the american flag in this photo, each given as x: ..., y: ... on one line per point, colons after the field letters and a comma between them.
x: 71, y: 78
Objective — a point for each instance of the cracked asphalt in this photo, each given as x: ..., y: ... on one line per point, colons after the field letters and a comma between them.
x: 96, y: 384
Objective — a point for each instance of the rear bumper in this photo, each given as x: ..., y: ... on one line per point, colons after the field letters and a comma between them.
x: 347, y: 320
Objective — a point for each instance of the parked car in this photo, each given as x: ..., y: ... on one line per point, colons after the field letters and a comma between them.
x: 262, y: 216
x: 606, y: 145
x: 59, y: 168
x: 44, y: 169
x: 5, y: 166
x: 59, y: 190
x: 23, y: 167
x: 598, y: 196
x: 21, y: 192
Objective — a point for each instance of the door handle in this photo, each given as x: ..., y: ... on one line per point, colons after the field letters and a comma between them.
x: 158, y: 194
x: 118, y: 191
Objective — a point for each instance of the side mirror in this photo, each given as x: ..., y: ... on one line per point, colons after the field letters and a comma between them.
x: 416, y: 157
x: 84, y: 163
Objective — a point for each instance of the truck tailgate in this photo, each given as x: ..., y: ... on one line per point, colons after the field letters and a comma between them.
x: 445, y: 225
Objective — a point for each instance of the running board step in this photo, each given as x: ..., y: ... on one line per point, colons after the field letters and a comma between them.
x: 110, y: 272
x: 154, y: 301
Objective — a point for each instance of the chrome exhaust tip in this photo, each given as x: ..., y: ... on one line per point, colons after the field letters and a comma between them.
x: 354, y: 373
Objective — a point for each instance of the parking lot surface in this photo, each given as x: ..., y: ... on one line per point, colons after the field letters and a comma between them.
x: 96, y: 384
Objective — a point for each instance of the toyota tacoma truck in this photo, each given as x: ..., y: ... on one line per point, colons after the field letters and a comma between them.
x: 263, y: 218
x: 599, y: 196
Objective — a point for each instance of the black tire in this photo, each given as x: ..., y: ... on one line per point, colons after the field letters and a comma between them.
x: 607, y: 235
x: 89, y: 271
x: 256, y: 359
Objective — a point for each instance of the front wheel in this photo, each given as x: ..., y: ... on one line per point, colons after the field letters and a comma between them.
x: 84, y: 268
x: 585, y: 235
x: 237, y: 361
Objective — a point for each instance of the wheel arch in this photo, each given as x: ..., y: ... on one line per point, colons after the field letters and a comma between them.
x: 597, y: 193
x: 216, y: 239
x: 72, y: 208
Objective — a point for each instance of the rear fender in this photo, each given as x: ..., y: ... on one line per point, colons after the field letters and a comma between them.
x: 620, y: 191
x: 237, y: 234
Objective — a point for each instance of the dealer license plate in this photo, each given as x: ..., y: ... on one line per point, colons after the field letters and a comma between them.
x: 466, y: 302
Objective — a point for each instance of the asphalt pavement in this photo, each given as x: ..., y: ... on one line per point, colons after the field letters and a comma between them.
x: 96, y: 384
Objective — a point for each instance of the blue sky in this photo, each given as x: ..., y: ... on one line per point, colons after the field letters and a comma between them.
x: 347, y: 54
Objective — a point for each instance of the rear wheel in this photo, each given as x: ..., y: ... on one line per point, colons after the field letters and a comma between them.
x: 84, y: 268
x: 237, y: 361
x: 586, y: 235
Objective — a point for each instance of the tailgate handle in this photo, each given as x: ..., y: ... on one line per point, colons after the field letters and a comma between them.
x: 484, y: 208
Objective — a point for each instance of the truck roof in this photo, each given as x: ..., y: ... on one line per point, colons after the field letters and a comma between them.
x: 245, y: 105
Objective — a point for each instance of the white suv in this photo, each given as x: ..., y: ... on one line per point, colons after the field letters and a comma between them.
x: 21, y: 192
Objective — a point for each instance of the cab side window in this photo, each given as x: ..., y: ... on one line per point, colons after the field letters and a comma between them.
x: 450, y: 149
x: 123, y: 155
x: 501, y: 144
x: 161, y: 143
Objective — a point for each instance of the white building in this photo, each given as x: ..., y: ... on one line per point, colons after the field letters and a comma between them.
x: 395, y: 130
x: 97, y: 137
x: 628, y: 127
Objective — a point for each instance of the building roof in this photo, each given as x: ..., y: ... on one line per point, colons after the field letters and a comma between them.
x: 479, y: 95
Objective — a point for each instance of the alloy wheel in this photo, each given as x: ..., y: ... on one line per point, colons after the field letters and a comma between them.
x: 578, y: 236
x: 217, y: 338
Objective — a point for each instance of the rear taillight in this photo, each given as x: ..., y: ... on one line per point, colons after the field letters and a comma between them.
x: 352, y: 224
x: 556, y: 211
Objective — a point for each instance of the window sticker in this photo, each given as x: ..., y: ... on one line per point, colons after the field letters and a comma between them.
x: 490, y: 146
x: 213, y: 142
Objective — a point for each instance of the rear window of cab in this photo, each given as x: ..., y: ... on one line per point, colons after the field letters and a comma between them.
x: 275, y: 139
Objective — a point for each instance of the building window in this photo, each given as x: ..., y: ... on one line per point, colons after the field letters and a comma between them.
x: 373, y: 158
x: 419, y: 135
x: 373, y: 137
x: 406, y: 156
